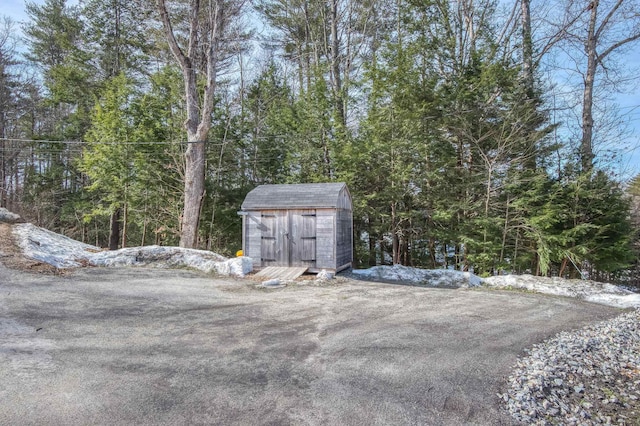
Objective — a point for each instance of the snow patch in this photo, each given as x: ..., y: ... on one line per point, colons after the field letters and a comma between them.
x: 7, y: 216
x: 591, y: 291
x: 63, y: 252
x: 273, y: 283
x: 429, y: 277
x: 49, y: 247
x: 237, y: 267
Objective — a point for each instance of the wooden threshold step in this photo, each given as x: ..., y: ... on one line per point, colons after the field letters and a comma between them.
x: 282, y: 272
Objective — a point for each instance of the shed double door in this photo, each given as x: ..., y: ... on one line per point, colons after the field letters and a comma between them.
x: 288, y: 238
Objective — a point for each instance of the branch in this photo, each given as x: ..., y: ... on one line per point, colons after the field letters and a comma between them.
x: 605, y: 21
x: 171, y: 38
x: 559, y: 35
x: 216, y: 22
x: 600, y: 58
x: 509, y: 27
x: 193, y: 28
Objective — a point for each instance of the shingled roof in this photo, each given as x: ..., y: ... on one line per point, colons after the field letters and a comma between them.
x: 303, y: 195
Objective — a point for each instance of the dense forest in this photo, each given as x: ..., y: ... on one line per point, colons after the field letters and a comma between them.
x: 473, y: 134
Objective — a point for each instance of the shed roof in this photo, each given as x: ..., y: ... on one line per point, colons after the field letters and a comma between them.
x: 302, y: 195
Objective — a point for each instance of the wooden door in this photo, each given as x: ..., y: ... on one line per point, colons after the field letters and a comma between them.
x: 274, y: 243
x: 302, y: 238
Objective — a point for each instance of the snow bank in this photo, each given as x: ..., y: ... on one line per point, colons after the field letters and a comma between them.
x: 7, y: 216
x: 591, y: 291
x: 63, y: 252
x: 158, y: 255
x: 49, y: 247
x: 428, y: 277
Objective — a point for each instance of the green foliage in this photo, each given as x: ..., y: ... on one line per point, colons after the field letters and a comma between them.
x: 107, y: 158
x: 582, y: 221
x: 416, y: 105
x: 127, y: 166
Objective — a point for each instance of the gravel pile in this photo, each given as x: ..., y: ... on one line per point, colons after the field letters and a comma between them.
x: 590, y: 376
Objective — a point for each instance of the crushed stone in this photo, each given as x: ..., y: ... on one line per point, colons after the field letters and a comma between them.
x: 585, y: 377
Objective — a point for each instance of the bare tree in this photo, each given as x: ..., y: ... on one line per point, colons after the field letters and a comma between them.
x: 590, y: 35
x: 619, y: 27
x: 200, y: 59
x: 8, y: 84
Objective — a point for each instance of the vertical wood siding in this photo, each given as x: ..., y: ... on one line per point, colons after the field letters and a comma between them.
x: 344, y: 237
x: 253, y: 235
x: 274, y: 238
x: 325, y: 239
x: 319, y: 238
x: 302, y: 238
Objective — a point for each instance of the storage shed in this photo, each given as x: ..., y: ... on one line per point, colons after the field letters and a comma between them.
x: 302, y: 225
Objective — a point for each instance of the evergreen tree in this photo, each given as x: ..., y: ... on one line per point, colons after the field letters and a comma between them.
x: 108, y: 157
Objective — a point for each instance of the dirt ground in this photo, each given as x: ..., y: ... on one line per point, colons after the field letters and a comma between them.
x: 152, y: 346
x: 148, y: 346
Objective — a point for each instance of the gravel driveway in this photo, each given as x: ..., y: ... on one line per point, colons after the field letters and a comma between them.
x: 147, y: 346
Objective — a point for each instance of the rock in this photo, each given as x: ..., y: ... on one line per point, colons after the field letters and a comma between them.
x: 324, y: 275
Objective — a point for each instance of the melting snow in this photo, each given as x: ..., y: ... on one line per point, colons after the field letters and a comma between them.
x: 430, y: 277
x: 63, y: 252
x: 52, y: 248
x: 591, y: 291
x: 7, y: 216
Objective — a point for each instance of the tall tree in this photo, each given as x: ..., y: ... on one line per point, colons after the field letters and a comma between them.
x: 611, y: 27
x: 107, y: 159
x: 200, y: 60
x: 117, y: 35
x: 54, y: 40
x: 9, y: 86
x: 591, y: 37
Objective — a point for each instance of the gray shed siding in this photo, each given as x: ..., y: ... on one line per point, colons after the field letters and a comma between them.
x: 344, y: 237
x: 299, y: 225
x: 325, y: 233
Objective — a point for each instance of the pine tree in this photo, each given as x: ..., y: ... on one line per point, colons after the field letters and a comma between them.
x: 107, y: 158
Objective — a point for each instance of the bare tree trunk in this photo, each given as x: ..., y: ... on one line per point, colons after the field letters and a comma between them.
x: 198, y: 113
x: 565, y: 261
x: 395, y: 246
x: 114, y: 230
x: 586, y: 145
x: 505, y: 230
x: 372, y: 243
x: 336, y: 64
x: 125, y: 214
x: 618, y: 27
x: 193, y: 194
x: 527, y: 48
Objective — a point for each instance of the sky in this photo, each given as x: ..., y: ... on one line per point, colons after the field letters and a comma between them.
x: 629, y: 102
